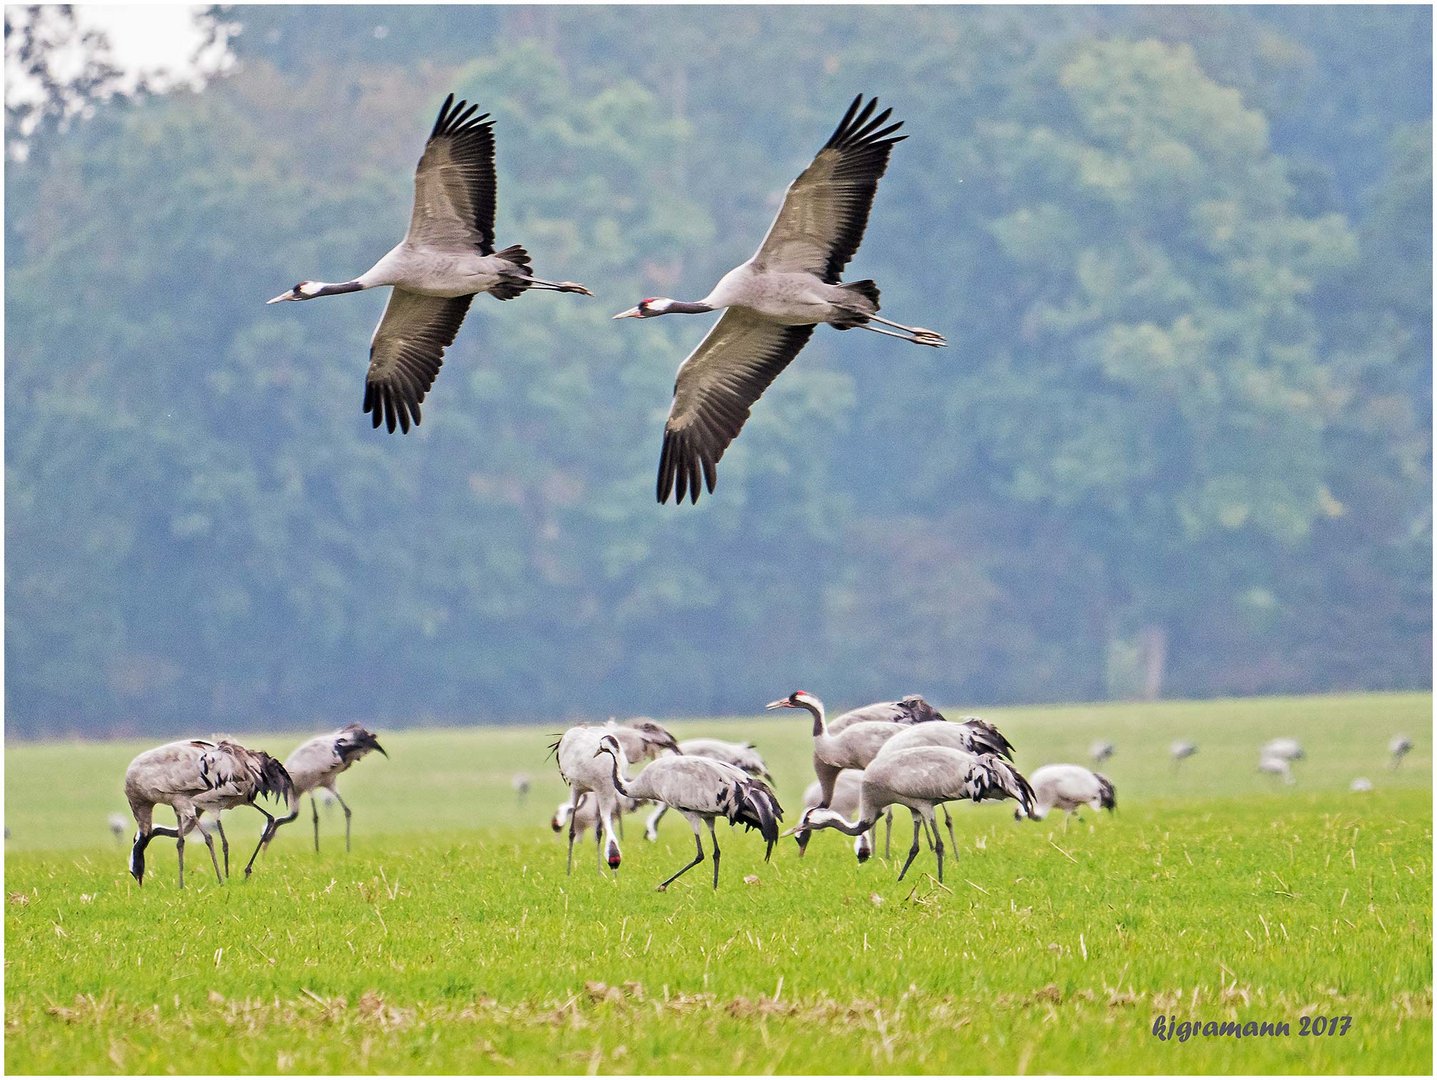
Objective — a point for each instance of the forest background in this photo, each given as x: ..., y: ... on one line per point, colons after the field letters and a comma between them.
x: 1180, y: 446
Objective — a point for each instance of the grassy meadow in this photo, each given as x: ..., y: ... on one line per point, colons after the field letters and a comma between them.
x: 450, y: 939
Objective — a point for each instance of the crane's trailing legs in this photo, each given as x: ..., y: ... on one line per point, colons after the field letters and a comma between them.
x: 916, y: 334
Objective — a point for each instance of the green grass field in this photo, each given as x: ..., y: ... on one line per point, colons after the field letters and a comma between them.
x: 450, y: 940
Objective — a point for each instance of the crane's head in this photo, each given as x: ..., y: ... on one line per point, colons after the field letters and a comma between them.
x: 799, y: 699
x: 137, y: 861
x: 647, y: 308
x: 610, y: 745
x: 815, y: 817
x: 305, y: 290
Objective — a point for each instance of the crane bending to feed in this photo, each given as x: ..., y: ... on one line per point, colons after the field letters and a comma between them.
x: 317, y: 764
x: 921, y: 778
x: 194, y: 776
x: 1069, y: 787
x: 700, y: 789
x: 445, y: 259
x: 774, y: 301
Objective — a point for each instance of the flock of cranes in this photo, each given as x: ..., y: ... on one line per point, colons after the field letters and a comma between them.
x: 771, y: 303
x: 866, y: 761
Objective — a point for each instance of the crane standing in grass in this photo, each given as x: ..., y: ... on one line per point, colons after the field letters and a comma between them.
x: 1069, y: 787
x: 318, y: 763
x: 921, y: 778
x: 195, y: 776
x: 701, y: 790
x: 743, y: 756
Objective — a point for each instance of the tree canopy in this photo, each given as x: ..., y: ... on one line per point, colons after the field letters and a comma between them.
x: 1181, y: 443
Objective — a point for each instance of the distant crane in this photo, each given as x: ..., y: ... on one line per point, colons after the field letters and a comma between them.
x: 1181, y: 751
x: 1361, y: 783
x: 921, y: 778
x: 194, y: 776
x: 1069, y: 787
x: 1276, y: 766
x: 1100, y: 751
x: 318, y: 763
x: 1286, y: 749
x: 701, y: 790
x: 743, y: 756
x: 775, y: 300
x: 521, y: 784
x: 1399, y: 748
x: 445, y: 259
x: 118, y: 825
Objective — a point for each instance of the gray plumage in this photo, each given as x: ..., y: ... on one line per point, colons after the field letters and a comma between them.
x: 194, y: 777
x: 743, y: 756
x: 921, y: 778
x: 1273, y: 765
x: 776, y: 298
x: 1069, y: 787
x: 585, y: 813
x: 317, y: 764
x: 576, y: 753
x: 1182, y: 749
x: 445, y: 259
x: 701, y: 790
x: 1286, y: 749
x: 1399, y: 747
x: 1100, y: 751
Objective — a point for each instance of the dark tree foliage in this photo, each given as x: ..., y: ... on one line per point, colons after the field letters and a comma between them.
x: 1181, y: 443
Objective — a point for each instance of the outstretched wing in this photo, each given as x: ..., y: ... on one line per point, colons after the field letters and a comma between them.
x: 406, y: 353
x: 821, y: 222
x: 714, y: 390
x: 454, y: 186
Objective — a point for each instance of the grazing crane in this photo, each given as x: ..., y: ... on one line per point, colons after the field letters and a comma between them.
x: 1286, y: 749
x: 1361, y: 783
x: 194, y: 776
x: 1399, y: 748
x: 856, y: 744
x: 1181, y: 750
x: 1068, y: 787
x: 318, y: 763
x: 641, y: 738
x: 521, y: 784
x: 118, y: 825
x: 921, y: 778
x: 846, y: 793
x: 1276, y: 766
x: 743, y: 756
x: 585, y: 814
x: 1100, y: 751
x: 972, y: 735
x: 576, y: 752
x: 775, y: 300
x: 445, y: 259
x: 700, y: 789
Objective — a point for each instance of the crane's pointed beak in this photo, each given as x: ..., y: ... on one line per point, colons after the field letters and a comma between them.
x: 781, y: 703
x: 632, y: 313
x: 291, y: 295
x: 381, y: 749
x: 790, y: 832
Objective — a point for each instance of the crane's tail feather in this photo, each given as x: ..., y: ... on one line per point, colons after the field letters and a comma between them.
x: 993, y: 778
x: 514, y: 282
x: 1108, y: 796
x: 757, y: 808
x: 984, y: 738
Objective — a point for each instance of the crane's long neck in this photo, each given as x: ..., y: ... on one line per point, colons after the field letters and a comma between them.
x: 327, y: 288
x: 815, y: 709
x: 620, y: 784
x: 832, y: 819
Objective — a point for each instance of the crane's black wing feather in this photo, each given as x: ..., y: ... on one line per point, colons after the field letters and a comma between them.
x: 825, y: 212
x: 713, y: 393
x: 406, y: 353
x: 455, y: 189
